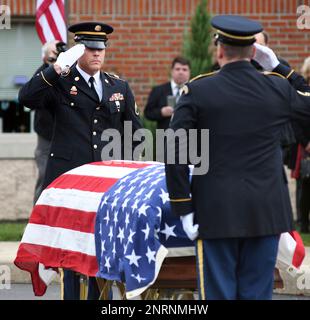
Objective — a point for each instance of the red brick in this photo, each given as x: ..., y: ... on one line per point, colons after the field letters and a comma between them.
x: 146, y: 40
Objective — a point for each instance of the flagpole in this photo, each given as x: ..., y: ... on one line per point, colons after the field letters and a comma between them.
x: 67, y: 19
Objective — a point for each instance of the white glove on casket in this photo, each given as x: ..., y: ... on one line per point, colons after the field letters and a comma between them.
x: 66, y: 59
x: 265, y: 57
x: 190, y: 229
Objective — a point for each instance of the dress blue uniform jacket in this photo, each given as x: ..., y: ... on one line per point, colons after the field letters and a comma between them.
x: 43, y: 117
x: 80, y: 118
x: 245, y: 192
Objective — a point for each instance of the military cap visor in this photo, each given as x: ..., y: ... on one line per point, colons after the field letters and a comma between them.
x: 91, y: 44
x: 235, y: 30
x: 92, y: 34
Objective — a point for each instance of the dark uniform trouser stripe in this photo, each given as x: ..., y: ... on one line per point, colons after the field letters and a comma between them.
x: 200, y: 271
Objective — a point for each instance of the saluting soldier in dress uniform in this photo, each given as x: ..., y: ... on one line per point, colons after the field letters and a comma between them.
x: 241, y: 206
x: 85, y: 102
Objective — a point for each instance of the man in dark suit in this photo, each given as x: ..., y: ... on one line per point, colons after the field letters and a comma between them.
x: 86, y: 103
x: 241, y: 205
x: 158, y: 107
x: 43, y: 118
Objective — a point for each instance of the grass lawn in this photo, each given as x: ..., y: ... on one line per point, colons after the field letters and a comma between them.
x: 306, y: 239
x: 11, y: 231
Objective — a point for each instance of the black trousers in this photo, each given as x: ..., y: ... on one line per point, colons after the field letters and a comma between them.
x: 71, y: 283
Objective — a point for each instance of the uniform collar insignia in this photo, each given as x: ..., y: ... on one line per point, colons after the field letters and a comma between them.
x: 73, y: 90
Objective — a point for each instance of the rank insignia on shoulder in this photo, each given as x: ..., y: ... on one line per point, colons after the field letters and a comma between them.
x: 306, y: 94
x: 270, y: 73
x: 114, y: 76
x: 204, y: 75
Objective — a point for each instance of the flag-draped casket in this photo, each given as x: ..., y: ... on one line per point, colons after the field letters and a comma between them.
x: 111, y: 220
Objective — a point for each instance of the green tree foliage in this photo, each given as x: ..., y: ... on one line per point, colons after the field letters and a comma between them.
x: 197, y: 41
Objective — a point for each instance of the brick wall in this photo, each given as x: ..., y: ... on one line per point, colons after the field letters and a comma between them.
x: 149, y: 33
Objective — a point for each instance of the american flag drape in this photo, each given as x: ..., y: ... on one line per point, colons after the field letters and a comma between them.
x: 60, y: 232
x: 133, y: 232
x: 50, y: 20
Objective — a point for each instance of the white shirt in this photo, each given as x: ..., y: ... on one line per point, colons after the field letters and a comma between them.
x: 97, y: 82
x: 175, y: 88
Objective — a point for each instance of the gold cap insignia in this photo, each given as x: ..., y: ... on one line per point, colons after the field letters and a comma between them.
x: 98, y: 28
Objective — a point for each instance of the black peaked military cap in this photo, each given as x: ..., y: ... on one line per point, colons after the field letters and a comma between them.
x: 235, y: 30
x: 92, y: 34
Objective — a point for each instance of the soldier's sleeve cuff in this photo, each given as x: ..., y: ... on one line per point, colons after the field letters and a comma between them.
x: 50, y: 76
x: 181, y: 207
x: 284, y: 70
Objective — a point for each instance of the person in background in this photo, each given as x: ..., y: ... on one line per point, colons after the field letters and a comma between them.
x: 43, y: 118
x: 305, y: 70
x: 162, y: 98
x: 302, y: 152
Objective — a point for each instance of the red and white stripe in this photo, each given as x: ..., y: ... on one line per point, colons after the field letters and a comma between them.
x: 60, y: 232
x: 51, y: 20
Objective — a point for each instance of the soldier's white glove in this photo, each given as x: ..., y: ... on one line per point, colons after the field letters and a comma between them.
x: 265, y: 57
x: 66, y: 59
x: 190, y: 229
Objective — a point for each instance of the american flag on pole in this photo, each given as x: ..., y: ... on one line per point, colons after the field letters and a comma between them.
x: 113, y: 220
x: 51, y: 21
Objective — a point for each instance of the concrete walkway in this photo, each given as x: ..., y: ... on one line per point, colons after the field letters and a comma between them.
x: 296, y: 283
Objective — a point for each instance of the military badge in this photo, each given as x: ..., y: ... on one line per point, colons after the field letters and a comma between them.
x: 116, y: 97
x: 73, y: 90
x: 185, y: 90
x: 118, y: 105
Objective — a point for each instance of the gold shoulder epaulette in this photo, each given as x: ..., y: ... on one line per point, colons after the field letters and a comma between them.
x: 269, y: 73
x: 306, y: 94
x: 203, y: 75
x: 114, y: 76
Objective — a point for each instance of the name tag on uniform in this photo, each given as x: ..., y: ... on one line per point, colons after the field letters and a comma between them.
x: 116, y: 97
